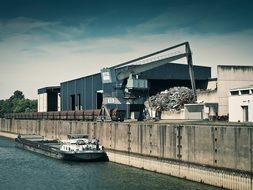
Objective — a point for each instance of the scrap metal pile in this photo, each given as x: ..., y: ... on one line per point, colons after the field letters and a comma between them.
x: 172, y: 99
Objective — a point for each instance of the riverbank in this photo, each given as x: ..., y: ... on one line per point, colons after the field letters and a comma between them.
x: 8, y: 135
x: 22, y: 169
x: 216, y: 155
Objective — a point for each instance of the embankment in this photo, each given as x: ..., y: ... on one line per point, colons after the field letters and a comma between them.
x: 215, y: 155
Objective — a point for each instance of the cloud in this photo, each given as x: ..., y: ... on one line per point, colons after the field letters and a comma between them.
x: 19, y: 26
x: 199, y: 17
x: 35, y: 29
x: 38, y: 53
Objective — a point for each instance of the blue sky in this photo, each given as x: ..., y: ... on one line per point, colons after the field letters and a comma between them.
x: 45, y: 42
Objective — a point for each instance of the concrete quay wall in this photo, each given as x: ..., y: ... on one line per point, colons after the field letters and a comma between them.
x: 216, y: 155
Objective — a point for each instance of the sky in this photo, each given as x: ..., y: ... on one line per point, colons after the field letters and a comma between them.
x: 46, y: 42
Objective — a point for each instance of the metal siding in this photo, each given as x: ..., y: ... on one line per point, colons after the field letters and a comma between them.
x: 63, y: 91
x: 42, y: 90
x: 87, y: 86
x: 89, y: 93
x: 49, y: 89
x: 78, y: 90
x: 176, y: 72
x: 97, y: 85
x: 84, y: 93
x: 68, y: 88
x: 65, y: 103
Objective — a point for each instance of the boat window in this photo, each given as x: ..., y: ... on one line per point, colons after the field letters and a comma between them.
x: 80, y: 142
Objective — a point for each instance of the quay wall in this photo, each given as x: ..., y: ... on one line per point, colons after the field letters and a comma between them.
x: 215, y: 155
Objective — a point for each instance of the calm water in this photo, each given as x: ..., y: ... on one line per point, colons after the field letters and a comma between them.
x: 20, y: 169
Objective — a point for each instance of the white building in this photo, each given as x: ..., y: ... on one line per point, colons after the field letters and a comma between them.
x: 241, y: 104
x: 228, y: 77
x: 49, y: 99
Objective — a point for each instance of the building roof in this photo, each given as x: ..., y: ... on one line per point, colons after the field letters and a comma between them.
x: 167, y: 71
x: 235, y: 67
x: 49, y: 89
x: 242, y: 88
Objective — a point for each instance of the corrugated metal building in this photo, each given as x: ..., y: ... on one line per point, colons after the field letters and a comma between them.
x: 86, y: 92
x: 81, y: 93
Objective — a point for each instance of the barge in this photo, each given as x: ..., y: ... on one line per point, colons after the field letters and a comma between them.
x: 78, y: 147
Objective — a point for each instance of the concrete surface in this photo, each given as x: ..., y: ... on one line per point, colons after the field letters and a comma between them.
x: 216, y: 154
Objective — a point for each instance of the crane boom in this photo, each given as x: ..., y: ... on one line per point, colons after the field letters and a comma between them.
x: 149, y: 55
x: 142, y: 68
x: 134, y: 70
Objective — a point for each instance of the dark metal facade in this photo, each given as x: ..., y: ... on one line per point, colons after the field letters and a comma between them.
x: 82, y: 93
x: 82, y: 90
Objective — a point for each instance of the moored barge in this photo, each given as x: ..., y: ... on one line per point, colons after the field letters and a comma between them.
x: 78, y: 147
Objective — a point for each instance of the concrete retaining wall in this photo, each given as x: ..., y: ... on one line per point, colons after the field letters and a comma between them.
x: 216, y: 155
x: 176, y: 115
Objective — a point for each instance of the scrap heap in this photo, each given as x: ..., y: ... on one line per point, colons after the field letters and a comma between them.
x: 172, y: 99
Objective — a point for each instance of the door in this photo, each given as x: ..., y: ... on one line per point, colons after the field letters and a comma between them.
x: 245, y: 113
x: 72, y: 102
x: 99, y: 99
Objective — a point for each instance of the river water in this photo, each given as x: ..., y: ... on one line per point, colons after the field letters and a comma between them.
x: 24, y: 170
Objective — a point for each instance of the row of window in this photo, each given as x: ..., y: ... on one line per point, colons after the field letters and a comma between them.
x: 241, y: 92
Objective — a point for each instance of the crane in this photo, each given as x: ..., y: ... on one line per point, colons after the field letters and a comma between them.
x: 122, y: 87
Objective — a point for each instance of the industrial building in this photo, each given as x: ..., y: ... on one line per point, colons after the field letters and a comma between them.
x: 127, y: 85
x: 87, y: 92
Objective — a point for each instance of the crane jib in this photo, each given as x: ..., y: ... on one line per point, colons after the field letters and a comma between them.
x: 148, y: 66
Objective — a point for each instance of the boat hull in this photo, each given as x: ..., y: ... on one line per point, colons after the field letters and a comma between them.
x: 85, y: 156
x: 47, y: 150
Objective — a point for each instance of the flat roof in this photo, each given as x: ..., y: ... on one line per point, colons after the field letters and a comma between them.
x: 242, y: 88
x: 234, y: 66
x: 49, y: 89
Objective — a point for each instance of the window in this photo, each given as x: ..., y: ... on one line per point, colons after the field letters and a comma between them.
x: 234, y: 93
x: 244, y: 91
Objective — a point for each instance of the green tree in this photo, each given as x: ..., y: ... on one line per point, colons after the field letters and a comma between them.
x: 1, y: 108
x: 25, y: 105
x: 6, y: 107
x: 17, y: 95
x: 17, y: 103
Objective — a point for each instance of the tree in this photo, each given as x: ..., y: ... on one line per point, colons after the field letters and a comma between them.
x: 1, y: 108
x: 25, y: 105
x: 17, y: 95
x: 17, y: 103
